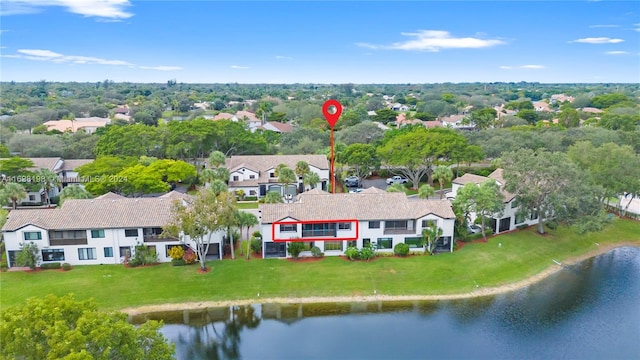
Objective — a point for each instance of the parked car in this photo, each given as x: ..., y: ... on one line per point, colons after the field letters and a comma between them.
x: 474, y: 229
x: 355, y: 191
x: 352, y: 181
x: 397, y: 180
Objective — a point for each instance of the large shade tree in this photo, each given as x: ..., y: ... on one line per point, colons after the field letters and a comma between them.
x: 198, y: 218
x: 55, y: 327
x: 484, y: 200
x: 550, y: 185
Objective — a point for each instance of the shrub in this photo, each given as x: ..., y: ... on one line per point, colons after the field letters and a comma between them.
x: 352, y: 253
x: 176, y: 252
x: 178, y: 262
x: 522, y: 226
x: 190, y: 256
x: 401, y: 249
x: 294, y: 248
x: 257, y: 234
x: 29, y: 255
x: 53, y: 265
x: 256, y: 245
x: 250, y: 198
x: 143, y: 256
x: 552, y: 224
x: 315, y: 252
x: 413, y: 253
x: 4, y: 266
x: 368, y: 252
x: 66, y: 266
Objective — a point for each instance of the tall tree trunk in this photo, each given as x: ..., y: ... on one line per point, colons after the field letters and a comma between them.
x: 540, y: 226
x: 233, y: 255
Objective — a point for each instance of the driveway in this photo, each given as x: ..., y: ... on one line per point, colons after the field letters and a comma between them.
x: 375, y: 182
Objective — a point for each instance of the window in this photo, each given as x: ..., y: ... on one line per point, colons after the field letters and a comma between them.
x: 385, y: 243
x: 252, y: 193
x: 374, y: 224
x: 52, y: 255
x: 272, y: 174
x: 236, y: 178
x: 344, y: 226
x: 319, y: 229
x: 332, y: 245
x: 520, y: 217
x: 413, y: 242
x: 288, y: 228
x: 32, y: 198
x: 125, y: 251
x: 32, y: 235
x: 252, y: 177
x: 97, y: 234
x: 353, y: 243
x: 366, y: 242
x: 87, y: 254
x: 130, y: 232
x: 515, y: 203
x: 156, y: 231
x: 395, y: 225
x: 428, y: 223
x: 108, y: 252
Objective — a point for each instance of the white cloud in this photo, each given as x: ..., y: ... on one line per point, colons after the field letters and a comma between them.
x: 616, y: 53
x: 161, y: 68
x: 434, y: 41
x: 48, y: 55
x: 505, y: 67
x: 532, y: 67
x: 603, y: 26
x: 597, y: 40
x: 239, y: 67
x: 113, y: 9
x: 282, y: 57
x: 637, y: 27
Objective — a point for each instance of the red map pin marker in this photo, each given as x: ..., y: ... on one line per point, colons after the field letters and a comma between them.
x: 332, y: 118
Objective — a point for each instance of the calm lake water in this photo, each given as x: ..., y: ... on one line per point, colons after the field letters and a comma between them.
x: 587, y: 311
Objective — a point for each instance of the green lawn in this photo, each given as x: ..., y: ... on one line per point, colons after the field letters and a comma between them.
x: 522, y: 254
x: 247, y: 205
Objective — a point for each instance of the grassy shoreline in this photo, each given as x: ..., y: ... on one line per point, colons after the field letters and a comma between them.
x: 478, y: 269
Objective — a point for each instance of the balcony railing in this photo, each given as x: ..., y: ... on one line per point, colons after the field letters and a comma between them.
x: 396, y: 231
x: 158, y: 238
x: 58, y: 242
x: 318, y: 233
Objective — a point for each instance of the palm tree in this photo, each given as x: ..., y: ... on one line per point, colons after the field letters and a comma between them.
x: 272, y: 197
x: 397, y: 187
x: 442, y: 174
x: 207, y: 176
x: 302, y: 168
x: 217, y: 186
x: 425, y: 191
x: 286, y: 176
x: 311, y: 178
x: 429, y: 237
x: 13, y: 192
x: 74, y: 192
x: 216, y: 159
x: 247, y: 219
x: 48, y: 179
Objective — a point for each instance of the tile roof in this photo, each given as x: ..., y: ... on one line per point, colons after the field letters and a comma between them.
x: 75, y: 125
x: 470, y: 178
x: 370, y: 205
x: 263, y: 163
x: 70, y: 165
x: 103, y: 213
x: 48, y: 163
x: 498, y: 175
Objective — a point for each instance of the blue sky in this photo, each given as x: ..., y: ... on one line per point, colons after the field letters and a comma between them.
x: 320, y: 42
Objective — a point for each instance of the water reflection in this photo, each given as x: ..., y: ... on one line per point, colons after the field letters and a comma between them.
x: 589, y: 310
